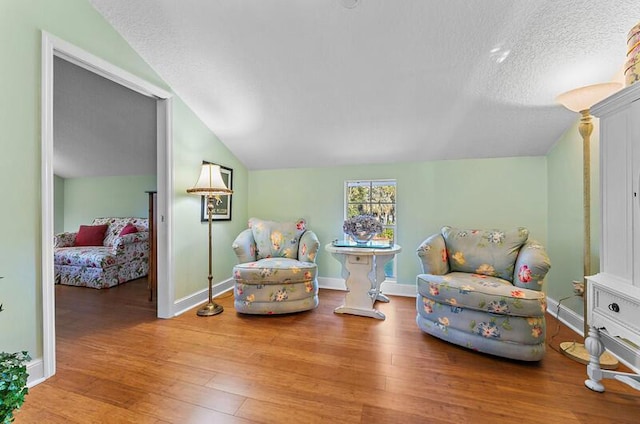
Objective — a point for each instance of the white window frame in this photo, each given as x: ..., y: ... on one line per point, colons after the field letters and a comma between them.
x: 372, y: 181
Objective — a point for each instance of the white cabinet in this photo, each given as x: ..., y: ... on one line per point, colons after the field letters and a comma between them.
x: 614, y: 293
x: 615, y: 170
x: 635, y: 198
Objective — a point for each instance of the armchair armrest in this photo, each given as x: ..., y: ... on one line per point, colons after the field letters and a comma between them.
x: 433, y: 255
x: 245, y: 246
x: 532, y: 264
x: 308, y: 247
x: 121, y: 242
x: 66, y: 239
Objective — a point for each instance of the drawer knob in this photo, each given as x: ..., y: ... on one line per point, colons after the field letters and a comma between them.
x: 614, y: 307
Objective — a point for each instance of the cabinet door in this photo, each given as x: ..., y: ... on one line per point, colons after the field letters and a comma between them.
x: 634, y: 141
x: 615, y: 190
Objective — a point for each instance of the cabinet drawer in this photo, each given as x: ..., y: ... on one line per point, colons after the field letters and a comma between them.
x: 624, y: 311
x: 357, y: 259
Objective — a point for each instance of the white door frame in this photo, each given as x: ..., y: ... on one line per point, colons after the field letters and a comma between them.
x: 53, y: 46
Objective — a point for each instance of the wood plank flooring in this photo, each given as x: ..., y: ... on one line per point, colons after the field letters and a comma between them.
x: 117, y: 363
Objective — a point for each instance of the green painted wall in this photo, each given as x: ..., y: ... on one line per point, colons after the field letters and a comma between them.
x: 480, y: 193
x: 192, y: 144
x: 89, y: 198
x: 75, y: 21
x: 566, y: 214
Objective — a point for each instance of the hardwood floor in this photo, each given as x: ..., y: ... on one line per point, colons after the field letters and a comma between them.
x: 117, y: 363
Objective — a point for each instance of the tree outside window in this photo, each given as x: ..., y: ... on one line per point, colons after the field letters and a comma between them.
x: 377, y: 198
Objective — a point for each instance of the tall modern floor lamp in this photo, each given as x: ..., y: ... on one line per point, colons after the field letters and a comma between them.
x: 211, y: 185
x: 580, y: 100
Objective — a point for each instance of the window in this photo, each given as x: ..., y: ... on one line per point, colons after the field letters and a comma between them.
x: 377, y: 198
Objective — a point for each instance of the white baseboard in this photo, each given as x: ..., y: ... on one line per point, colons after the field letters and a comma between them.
x: 182, y: 305
x: 566, y: 316
x: 35, y: 369
x: 331, y: 283
x: 392, y: 289
x: 574, y: 321
x: 398, y: 289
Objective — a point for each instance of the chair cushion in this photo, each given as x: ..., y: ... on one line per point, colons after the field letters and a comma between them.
x: 276, y: 239
x: 485, y: 252
x: 275, y: 271
x: 116, y: 225
x: 128, y: 229
x: 482, y: 293
x: 90, y: 235
x: 92, y: 257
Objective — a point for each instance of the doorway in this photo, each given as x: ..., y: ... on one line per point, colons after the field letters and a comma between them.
x: 55, y: 47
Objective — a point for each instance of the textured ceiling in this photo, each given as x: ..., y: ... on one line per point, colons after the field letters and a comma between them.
x: 290, y: 83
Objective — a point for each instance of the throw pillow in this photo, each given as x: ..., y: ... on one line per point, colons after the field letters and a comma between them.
x: 128, y: 229
x: 276, y: 239
x: 90, y: 235
x: 486, y: 252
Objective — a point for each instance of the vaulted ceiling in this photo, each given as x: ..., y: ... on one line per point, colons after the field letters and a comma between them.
x: 305, y: 83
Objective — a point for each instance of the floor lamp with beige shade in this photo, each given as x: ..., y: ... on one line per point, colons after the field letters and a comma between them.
x: 210, y: 185
x: 580, y: 100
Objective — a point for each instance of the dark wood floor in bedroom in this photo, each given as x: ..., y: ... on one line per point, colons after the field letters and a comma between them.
x: 117, y: 363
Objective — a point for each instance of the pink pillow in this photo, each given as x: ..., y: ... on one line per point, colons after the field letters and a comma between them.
x: 128, y: 229
x: 91, y: 235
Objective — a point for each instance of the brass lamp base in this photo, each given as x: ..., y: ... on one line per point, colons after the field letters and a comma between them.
x: 210, y: 309
x: 579, y: 353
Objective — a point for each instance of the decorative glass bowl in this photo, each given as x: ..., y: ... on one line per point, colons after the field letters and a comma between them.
x: 362, y: 237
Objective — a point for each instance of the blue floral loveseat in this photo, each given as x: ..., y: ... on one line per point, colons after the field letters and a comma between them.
x: 481, y: 289
x: 119, y: 258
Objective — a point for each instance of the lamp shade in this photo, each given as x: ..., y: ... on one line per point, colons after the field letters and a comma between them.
x: 210, y: 182
x: 583, y: 98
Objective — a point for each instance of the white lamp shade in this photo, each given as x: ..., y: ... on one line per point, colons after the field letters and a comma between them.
x: 210, y: 182
x: 583, y: 98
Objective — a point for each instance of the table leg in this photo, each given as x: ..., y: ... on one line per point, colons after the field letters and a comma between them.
x: 596, y: 374
x: 379, y: 296
x: 595, y: 348
x: 364, y: 276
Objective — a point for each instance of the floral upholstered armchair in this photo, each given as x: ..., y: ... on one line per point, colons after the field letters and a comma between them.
x: 277, y: 273
x: 115, y: 251
x: 481, y: 289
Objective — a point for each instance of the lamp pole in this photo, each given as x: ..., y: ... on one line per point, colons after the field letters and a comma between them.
x: 585, y: 129
x: 211, y: 308
x: 580, y: 100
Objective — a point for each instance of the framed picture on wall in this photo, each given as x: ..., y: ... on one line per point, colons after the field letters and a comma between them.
x: 221, y: 204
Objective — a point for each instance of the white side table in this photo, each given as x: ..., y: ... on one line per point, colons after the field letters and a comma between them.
x: 363, y: 271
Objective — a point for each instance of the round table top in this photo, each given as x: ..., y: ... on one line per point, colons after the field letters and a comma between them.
x: 363, y: 250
